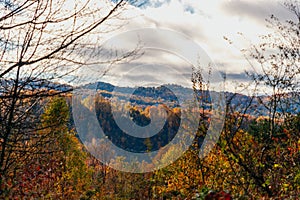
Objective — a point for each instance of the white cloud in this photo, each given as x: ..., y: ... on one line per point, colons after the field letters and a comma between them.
x: 207, y: 22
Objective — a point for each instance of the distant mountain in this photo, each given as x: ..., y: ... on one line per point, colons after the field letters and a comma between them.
x: 33, y: 84
x: 145, y: 96
x: 149, y: 96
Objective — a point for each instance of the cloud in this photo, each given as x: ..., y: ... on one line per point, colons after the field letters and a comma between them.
x: 255, y: 10
x: 205, y: 23
x: 237, y: 76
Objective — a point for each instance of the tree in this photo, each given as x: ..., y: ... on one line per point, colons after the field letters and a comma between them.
x: 42, y: 42
x: 263, y: 153
x: 278, y: 58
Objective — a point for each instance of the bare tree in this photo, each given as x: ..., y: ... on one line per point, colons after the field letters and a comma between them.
x: 262, y: 151
x: 279, y: 59
x: 41, y: 43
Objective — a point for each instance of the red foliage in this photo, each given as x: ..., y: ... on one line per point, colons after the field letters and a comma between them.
x: 218, y: 196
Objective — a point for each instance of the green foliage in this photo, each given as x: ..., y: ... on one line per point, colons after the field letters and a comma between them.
x: 56, y: 113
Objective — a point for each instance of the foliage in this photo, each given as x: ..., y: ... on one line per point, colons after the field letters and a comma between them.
x: 255, y: 157
x: 40, y: 44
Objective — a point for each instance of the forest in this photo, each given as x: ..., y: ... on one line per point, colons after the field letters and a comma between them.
x: 45, y: 154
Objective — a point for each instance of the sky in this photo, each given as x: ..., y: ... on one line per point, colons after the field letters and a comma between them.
x: 202, y: 22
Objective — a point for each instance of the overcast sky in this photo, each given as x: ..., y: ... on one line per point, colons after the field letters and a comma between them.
x: 204, y: 22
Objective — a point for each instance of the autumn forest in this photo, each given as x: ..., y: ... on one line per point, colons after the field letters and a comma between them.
x: 218, y: 145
